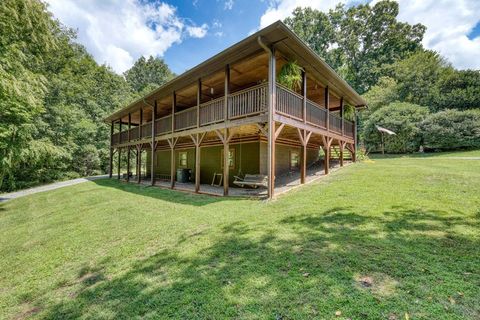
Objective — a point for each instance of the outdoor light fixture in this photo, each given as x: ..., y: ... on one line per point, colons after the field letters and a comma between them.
x: 211, y: 90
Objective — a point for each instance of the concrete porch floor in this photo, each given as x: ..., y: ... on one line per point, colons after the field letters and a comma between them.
x: 283, y: 183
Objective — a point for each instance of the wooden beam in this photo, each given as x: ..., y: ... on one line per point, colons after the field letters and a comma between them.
x: 153, y: 144
x: 174, y: 106
x: 263, y: 129
x: 128, y: 164
x: 140, y: 125
x: 129, y: 125
x: 279, y: 130
x: 197, y: 140
x: 272, y: 86
x: 326, y: 150
x: 226, y: 167
x: 304, y: 93
x: 227, y: 89
x: 139, y: 163
x: 342, y: 115
x: 342, y: 147
x: 327, y: 106
x: 110, y: 170
x: 199, y: 100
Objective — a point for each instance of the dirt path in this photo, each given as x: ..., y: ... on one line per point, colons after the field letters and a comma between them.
x: 47, y: 187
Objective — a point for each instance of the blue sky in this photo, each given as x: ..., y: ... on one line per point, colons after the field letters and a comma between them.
x: 184, y: 33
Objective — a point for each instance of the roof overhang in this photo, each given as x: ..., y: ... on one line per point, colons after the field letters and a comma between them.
x: 277, y: 35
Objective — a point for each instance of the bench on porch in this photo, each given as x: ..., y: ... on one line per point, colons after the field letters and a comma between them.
x: 251, y: 180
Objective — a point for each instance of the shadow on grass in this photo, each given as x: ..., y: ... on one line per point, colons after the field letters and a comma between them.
x: 307, y: 266
x: 175, y: 196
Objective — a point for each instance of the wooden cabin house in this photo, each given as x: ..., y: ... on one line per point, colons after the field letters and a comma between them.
x: 228, y: 118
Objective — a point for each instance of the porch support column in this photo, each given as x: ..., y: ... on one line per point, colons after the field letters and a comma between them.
x: 172, y: 142
x: 327, y: 142
x: 199, y: 100
x: 139, y: 163
x: 304, y: 92
x: 153, y: 144
x: 327, y: 106
x: 225, y: 139
x: 119, y: 149
x: 342, y: 114
x: 342, y: 148
x: 128, y: 148
x: 355, y: 137
x: 110, y: 169
x: 227, y: 90
x: 304, y: 138
x: 272, y: 88
x: 140, y: 125
x: 197, y: 141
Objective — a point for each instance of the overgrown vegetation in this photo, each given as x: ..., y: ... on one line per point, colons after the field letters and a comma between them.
x: 392, y: 238
x: 53, y: 97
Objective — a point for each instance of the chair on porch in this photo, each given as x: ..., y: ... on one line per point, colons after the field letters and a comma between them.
x: 251, y: 180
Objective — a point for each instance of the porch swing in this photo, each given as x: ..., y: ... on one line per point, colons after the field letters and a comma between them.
x: 249, y: 180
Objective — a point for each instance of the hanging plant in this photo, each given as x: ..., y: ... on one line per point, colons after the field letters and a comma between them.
x: 290, y: 76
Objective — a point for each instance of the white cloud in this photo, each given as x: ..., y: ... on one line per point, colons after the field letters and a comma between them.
x: 448, y: 22
x: 280, y: 9
x: 197, y: 32
x: 229, y: 4
x: 119, y: 32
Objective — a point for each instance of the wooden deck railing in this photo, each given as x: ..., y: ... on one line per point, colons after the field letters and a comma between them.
x: 349, y: 128
x: 335, y: 123
x: 212, y: 111
x: 163, y: 125
x: 316, y: 115
x: 186, y: 119
x: 289, y: 103
x: 248, y: 102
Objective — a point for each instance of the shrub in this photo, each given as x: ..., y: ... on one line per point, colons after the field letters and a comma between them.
x: 452, y: 129
x: 402, y: 118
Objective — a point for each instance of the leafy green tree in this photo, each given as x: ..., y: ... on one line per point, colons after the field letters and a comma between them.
x: 382, y: 94
x: 27, y: 33
x: 452, y: 129
x: 458, y: 89
x: 402, y: 118
x: 148, y: 74
x: 417, y: 76
x: 359, y: 41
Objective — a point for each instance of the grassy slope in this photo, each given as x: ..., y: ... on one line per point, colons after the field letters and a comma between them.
x: 108, y: 250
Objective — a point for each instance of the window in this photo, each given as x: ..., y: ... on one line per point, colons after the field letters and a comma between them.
x: 231, y: 158
x: 294, y: 159
x: 182, y: 156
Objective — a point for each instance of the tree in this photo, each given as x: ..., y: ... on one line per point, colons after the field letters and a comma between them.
x: 452, y: 129
x: 360, y: 41
x: 146, y: 75
x: 28, y: 33
x: 382, y: 94
x: 402, y: 118
x: 458, y: 89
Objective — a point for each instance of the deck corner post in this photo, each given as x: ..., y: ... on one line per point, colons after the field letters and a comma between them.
x: 139, y: 163
x: 304, y: 92
x: 271, y: 123
x: 227, y: 90
x: 327, y: 106
x: 197, y: 167
x: 342, y: 147
x: 199, y: 100
x: 128, y: 164
x: 226, y: 164
x: 153, y: 146
x: 110, y: 169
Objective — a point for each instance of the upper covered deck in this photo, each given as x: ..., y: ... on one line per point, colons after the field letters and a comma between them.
x: 232, y: 86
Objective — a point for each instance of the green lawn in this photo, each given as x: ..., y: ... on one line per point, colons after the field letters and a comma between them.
x: 393, y: 238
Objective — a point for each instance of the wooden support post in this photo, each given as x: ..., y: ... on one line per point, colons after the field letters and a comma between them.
x: 129, y: 125
x: 355, y: 137
x: 327, y: 141
x: 342, y: 148
x: 304, y: 92
x: 153, y: 144
x: 174, y: 106
x: 342, y: 116
x: 172, y: 142
x: 139, y: 163
x: 199, y: 100
x: 327, y: 106
x: 272, y: 86
x: 128, y: 164
x: 140, y: 125
x: 226, y: 166
x: 304, y: 138
x: 197, y: 140
x: 110, y: 169
x: 119, y: 150
x: 227, y: 90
